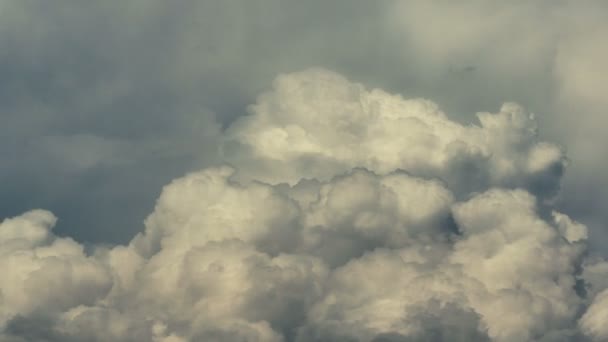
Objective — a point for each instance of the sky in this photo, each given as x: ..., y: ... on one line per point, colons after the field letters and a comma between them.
x: 281, y: 170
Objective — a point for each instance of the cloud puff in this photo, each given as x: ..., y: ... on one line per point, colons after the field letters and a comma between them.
x: 486, y: 277
x: 593, y: 323
x: 348, y: 215
x: 42, y: 273
x: 317, y: 124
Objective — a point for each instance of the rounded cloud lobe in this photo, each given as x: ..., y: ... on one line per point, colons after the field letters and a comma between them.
x: 347, y: 215
x: 317, y: 124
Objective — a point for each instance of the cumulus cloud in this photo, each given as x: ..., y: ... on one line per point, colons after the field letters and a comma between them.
x: 99, y: 96
x: 593, y: 323
x: 347, y: 215
x: 317, y: 124
x: 42, y: 273
x: 552, y: 60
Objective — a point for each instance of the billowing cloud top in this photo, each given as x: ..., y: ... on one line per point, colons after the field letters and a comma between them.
x: 347, y: 215
x: 317, y: 124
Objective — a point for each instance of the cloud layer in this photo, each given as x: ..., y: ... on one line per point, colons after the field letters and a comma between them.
x: 348, y: 214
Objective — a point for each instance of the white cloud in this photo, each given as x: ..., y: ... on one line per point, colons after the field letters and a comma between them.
x: 42, y: 273
x: 317, y: 124
x: 396, y: 223
x: 548, y: 55
x: 593, y: 323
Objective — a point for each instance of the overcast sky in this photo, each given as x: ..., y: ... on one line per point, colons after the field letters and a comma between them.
x: 103, y: 104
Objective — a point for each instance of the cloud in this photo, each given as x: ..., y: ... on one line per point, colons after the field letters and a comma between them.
x: 347, y: 215
x: 317, y: 123
x: 552, y: 61
x: 45, y: 274
x: 136, y: 94
x: 593, y: 322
